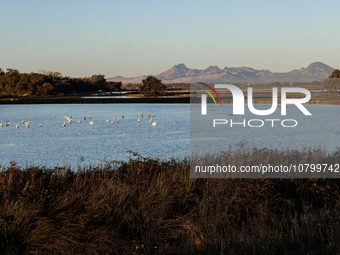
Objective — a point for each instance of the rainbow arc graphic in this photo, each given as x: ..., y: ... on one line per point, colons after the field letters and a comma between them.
x: 209, y: 93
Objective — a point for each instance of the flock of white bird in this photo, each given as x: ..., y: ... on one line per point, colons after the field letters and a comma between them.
x: 26, y: 123
x: 70, y: 120
x: 153, y: 123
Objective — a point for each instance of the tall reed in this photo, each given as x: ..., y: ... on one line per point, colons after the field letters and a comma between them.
x: 152, y: 206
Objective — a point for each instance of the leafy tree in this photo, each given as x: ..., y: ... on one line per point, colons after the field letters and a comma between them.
x: 62, y: 86
x: 12, y: 77
x: 335, y: 74
x: 22, y: 85
x: 46, y: 89
x: 113, y: 85
x: 151, y: 85
x: 98, y: 80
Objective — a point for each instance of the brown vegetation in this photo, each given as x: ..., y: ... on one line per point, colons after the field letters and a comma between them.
x: 335, y: 74
x: 149, y: 206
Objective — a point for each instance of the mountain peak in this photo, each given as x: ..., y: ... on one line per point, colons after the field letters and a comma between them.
x: 181, y: 73
x: 176, y: 71
x: 319, y: 65
x: 180, y: 66
x: 213, y: 68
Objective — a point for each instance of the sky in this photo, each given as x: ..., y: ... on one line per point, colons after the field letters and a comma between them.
x: 80, y: 38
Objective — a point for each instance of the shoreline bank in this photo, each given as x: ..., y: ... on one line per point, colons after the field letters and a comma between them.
x: 262, y: 98
x: 103, y: 100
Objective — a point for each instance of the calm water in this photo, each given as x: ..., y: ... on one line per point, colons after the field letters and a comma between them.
x: 75, y: 144
x: 83, y: 143
x: 322, y: 128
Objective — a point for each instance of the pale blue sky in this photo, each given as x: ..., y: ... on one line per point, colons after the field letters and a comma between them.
x: 131, y: 38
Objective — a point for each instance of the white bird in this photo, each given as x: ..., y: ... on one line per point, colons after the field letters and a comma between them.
x: 8, y: 123
x: 64, y: 125
x: 154, y: 124
x: 138, y: 120
x: 79, y: 121
x: 17, y: 126
x: 113, y: 121
x: 39, y: 125
x: 1, y: 124
x: 117, y: 120
x: 22, y: 122
x: 69, y: 119
x: 92, y: 122
x: 149, y: 115
x: 27, y: 124
x: 150, y: 120
x: 107, y: 120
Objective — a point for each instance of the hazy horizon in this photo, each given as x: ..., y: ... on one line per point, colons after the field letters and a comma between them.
x: 133, y: 38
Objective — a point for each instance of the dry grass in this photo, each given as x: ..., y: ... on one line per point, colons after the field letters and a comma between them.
x: 149, y: 206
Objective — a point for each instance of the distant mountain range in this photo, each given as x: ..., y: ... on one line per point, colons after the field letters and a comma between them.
x: 181, y: 73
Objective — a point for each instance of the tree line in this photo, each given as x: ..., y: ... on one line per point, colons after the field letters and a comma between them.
x: 14, y: 83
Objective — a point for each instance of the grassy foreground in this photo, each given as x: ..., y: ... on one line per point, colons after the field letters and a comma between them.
x: 150, y: 206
